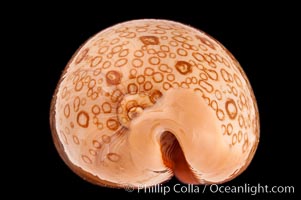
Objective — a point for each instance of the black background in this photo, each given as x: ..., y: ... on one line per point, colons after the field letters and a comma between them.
x: 262, y: 38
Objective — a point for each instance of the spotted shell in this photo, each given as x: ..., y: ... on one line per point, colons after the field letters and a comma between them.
x: 144, y: 100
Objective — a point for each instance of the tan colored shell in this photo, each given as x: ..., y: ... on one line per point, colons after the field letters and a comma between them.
x: 146, y: 99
